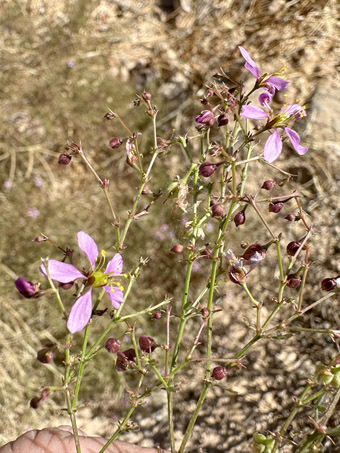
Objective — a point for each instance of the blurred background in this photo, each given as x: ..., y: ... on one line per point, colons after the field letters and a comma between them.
x: 64, y: 64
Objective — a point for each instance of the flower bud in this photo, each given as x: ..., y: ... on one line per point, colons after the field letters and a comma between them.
x: 290, y: 217
x: 177, y: 248
x: 115, y: 142
x: 222, y: 120
x: 206, y: 117
x: 330, y: 284
x: 275, y: 206
x: 45, y: 355
x: 45, y: 393
x: 293, y: 281
x: 147, y: 344
x: 26, y: 288
x: 112, y: 345
x: 207, y: 169
x: 268, y: 185
x: 36, y: 402
x: 219, y: 373
x: 64, y: 159
x: 66, y: 286
x: 240, y: 218
x: 157, y: 315
x: 217, y: 210
x: 292, y: 248
x: 146, y: 96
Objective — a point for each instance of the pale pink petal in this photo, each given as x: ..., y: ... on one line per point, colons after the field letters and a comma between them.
x: 80, y: 313
x: 87, y: 245
x: 277, y: 82
x: 273, y: 147
x: 252, y: 112
x: 61, y: 272
x: 115, y: 266
x: 250, y: 64
x: 295, y: 140
x: 294, y: 109
x: 115, y: 294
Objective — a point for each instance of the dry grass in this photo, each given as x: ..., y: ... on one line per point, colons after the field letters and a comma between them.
x: 64, y: 63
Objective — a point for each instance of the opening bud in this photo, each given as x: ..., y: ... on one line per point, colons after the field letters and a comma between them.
x: 177, y: 248
x: 207, y: 169
x: 254, y: 253
x: 26, y: 288
x: 147, y: 344
x: 112, y: 345
x: 115, y: 142
x: 219, y: 373
x: 146, y: 96
x: 206, y: 117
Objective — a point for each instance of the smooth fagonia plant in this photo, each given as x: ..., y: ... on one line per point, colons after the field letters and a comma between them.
x: 218, y: 191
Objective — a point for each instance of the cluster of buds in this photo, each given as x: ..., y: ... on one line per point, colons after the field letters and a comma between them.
x: 262, y: 443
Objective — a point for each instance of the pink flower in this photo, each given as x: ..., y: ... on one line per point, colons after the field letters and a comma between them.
x: 271, y: 82
x: 273, y: 146
x: 95, y: 277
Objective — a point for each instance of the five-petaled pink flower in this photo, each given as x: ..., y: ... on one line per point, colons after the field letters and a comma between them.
x: 95, y: 277
x: 273, y: 146
x: 270, y: 82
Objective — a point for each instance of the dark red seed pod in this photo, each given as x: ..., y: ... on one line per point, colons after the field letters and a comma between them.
x: 275, y: 206
x: 157, y: 315
x: 269, y: 184
x: 290, y: 217
x: 147, y: 344
x: 112, y: 345
x: 207, y: 169
x: 115, y: 142
x: 329, y: 284
x: 240, y: 218
x: 36, y: 402
x: 293, y: 281
x: 222, y: 120
x: 45, y: 356
x: 219, y: 373
x: 64, y: 159
x: 217, y: 210
x: 124, y: 359
x: 292, y: 248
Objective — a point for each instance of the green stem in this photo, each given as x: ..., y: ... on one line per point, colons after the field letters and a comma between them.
x: 81, y: 368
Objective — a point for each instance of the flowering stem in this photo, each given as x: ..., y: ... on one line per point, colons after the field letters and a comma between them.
x: 87, y: 162
x: 81, y: 367
x: 245, y: 287
x: 71, y: 413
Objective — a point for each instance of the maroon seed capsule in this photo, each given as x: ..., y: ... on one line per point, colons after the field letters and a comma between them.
x: 292, y: 248
x: 124, y: 359
x: 45, y: 356
x: 290, y: 217
x: 275, y: 207
x: 329, y: 284
x: 36, y: 402
x: 112, y: 345
x: 222, y: 120
x: 219, y: 373
x: 147, y: 344
x: 268, y: 185
x: 207, y: 169
x: 115, y: 142
x: 157, y: 315
x: 240, y: 218
x: 64, y: 159
x: 217, y: 210
x: 293, y: 281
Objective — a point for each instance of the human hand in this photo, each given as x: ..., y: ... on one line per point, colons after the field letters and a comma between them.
x: 60, y: 440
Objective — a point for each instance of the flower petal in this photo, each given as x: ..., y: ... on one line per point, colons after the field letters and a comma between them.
x: 252, y: 112
x: 61, y: 272
x: 277, y: 82
x: 115, y: 294
x: 87, y: 245
x: 265, y: 98
x: 295, y: 141
x: 80, y: 313
x: 294, y: 109
x: 115, y: 266
x: 250, y: 64
x: 273, y: 147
